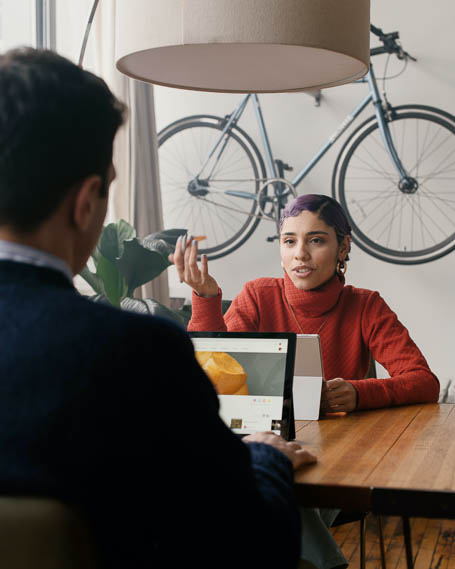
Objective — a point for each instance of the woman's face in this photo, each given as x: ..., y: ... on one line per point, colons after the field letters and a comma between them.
x: 309, y: 250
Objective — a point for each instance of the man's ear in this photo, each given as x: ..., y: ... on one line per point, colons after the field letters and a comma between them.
x: 84, y: 206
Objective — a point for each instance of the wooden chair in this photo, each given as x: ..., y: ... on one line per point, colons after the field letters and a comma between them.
x: 43, y: 533
x: 350, y: 517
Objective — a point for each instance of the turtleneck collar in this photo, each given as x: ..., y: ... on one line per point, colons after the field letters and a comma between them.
x: 316, y: 302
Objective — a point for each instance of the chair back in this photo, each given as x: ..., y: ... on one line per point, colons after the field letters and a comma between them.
x: 43, y: 533
x: 371, y: 368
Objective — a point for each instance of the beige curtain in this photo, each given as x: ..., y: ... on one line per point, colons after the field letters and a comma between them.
x: 144, y: 176
x: 135, y: 193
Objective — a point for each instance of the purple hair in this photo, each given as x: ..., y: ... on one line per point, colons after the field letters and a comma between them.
x: 326, y: 208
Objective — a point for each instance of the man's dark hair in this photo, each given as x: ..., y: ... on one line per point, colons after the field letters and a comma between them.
x: 57, y: 126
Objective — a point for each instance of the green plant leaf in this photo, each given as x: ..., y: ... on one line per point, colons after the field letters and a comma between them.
x: 185, y: 313
x: 93, y: 280
x: 140, y: 264
x: 96, y: 255
x: 100, y: 298
x: 113, y: 237
x: 169, y: 236
x: 158, y: 245
x: 186, y: 310
x: 150, y: 306
x: 115, y: 286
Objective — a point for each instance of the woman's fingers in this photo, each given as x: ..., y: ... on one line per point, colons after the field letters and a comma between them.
x: 191, y: 262
x: 177, y: 259
x: 204, y: 267
x: 339, y: 395
x: 185, y: 259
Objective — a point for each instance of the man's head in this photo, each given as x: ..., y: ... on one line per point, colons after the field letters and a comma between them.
x: 57, y: 126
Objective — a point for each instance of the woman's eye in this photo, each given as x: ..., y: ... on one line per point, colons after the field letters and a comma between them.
x: 317, y: 240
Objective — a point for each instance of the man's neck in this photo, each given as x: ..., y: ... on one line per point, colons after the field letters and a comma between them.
x: 46, y: 239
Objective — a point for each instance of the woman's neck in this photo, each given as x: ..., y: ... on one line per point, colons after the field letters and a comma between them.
x: 315, y: 302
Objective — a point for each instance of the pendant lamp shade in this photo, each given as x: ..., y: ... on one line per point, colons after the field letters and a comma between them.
x: 243, y: 46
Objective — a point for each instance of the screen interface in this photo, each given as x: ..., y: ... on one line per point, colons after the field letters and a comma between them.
x: 248, y: 375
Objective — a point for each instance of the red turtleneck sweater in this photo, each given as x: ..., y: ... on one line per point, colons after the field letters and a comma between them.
x: 351, y: 322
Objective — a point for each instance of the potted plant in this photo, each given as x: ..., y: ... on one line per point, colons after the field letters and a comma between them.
x: 124, y: 262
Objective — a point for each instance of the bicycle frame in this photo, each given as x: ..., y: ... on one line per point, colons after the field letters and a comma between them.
x: 372, y: 97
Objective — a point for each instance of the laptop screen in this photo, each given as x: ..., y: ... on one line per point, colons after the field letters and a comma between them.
x: 252, y: 374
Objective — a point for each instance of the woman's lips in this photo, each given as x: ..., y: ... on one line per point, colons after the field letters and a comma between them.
x: 302, y: 272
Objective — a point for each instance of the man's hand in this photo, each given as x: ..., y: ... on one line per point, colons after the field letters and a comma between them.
x: 338, y: 395
x: 293, y: 450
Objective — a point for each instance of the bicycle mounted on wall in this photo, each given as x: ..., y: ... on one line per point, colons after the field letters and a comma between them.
x: 396, y: 193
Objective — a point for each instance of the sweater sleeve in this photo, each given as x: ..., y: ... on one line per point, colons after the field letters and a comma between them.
x: 160, y: 437
x: 206, y: 314
x: 411, y: 380
x: 242, y: 316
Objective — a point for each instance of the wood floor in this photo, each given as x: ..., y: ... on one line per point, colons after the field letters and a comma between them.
x: 433, y: 543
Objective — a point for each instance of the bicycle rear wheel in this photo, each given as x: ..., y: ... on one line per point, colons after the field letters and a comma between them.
x: 406, y: 227
x: 194, y: 187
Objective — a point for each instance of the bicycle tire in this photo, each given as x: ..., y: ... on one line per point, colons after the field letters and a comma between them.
x: 372, y: 119
x: 226, y: 221
x: 400, y: 236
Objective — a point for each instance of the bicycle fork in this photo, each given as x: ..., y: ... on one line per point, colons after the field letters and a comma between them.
x: 407, y: 184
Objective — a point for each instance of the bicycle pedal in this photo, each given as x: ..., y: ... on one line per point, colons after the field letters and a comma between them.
x: 272, y: 238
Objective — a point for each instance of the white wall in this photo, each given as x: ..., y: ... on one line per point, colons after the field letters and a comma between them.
x: 423, y: 295
x: 17, y: 23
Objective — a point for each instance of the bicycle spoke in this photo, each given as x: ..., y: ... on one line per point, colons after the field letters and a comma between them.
x: 390, y: 225
x: 426, y: 192
x: 380, y: 172
x: 435, y: 173
x: 436, y: 225
x: 193, y: 186
x: 415, y: 222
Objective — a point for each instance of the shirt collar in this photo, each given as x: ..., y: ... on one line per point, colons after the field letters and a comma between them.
x: 10, y: 251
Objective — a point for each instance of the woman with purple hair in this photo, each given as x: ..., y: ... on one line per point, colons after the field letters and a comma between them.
x: 354, y: 326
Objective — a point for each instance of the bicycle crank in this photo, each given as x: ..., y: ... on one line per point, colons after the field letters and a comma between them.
x: 271, y: 205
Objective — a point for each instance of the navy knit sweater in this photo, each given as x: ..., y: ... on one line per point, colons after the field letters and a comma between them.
x: 110, y: 410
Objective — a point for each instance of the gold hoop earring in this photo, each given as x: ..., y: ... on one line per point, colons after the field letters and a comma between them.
x: 282, y: 265
x: 341, y: 268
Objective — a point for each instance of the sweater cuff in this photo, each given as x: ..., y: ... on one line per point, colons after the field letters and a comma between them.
x: 203, y: 311
x: 369, y: 396
x: 267, y: 458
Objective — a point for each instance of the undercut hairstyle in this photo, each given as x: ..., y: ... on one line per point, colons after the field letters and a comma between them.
x: 57, y: 127
x: 325, y: 207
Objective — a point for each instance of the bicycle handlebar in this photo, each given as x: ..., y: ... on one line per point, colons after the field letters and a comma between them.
x: 390, y: 44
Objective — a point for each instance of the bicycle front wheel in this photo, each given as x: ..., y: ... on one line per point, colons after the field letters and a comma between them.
x: 208, y: 189
x: 400, y: 225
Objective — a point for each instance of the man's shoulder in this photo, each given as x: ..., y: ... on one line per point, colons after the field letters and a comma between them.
x: 111, y: 317
x: 126, y: 338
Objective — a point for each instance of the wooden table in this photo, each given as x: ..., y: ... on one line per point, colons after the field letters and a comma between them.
x: 397, y: 461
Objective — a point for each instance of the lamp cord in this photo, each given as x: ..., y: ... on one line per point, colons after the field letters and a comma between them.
x: 87, y: 32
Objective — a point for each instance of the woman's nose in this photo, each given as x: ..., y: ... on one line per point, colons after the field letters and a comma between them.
x: 302, y: 253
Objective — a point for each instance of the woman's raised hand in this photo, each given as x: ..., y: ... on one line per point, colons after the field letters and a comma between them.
x: 185, y: 261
